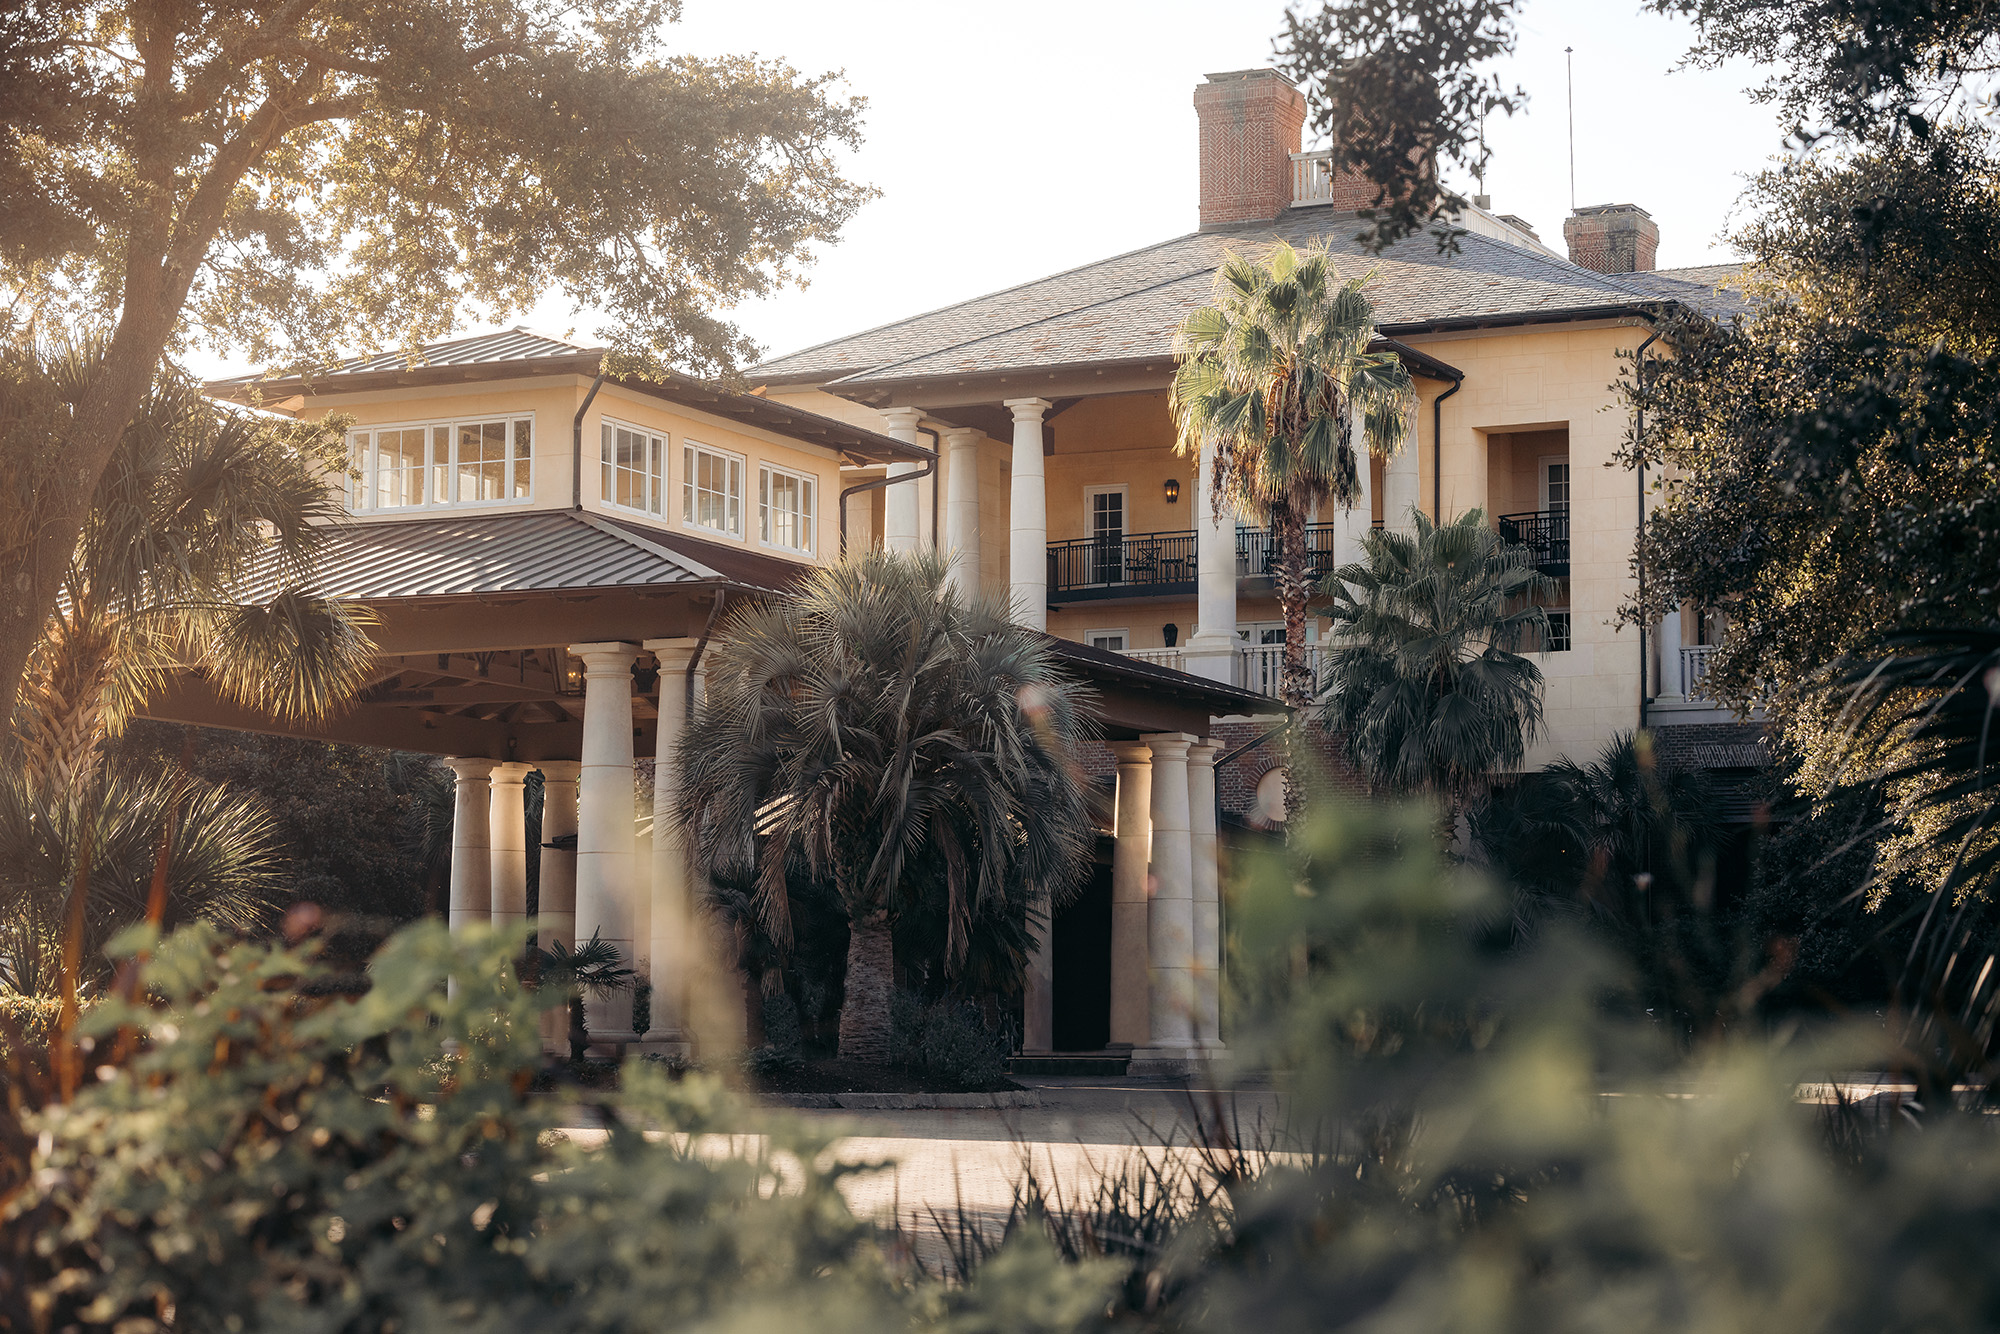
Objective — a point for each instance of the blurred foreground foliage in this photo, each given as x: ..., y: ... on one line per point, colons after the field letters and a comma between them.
x: 1482, y: 1133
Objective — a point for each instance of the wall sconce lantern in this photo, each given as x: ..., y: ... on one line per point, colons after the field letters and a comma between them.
x: 568, y: 673
x: 1173, y: 490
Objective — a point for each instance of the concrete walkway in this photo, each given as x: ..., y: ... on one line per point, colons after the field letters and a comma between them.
x: 1089, y: 1131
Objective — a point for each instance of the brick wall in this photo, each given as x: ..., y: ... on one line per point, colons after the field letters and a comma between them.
x: 1251, y: 123
x: 1612, y: 238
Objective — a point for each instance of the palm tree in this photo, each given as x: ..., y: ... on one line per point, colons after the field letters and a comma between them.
x: 1426, y: 680
x: 224, y: 867
x: 594, y: 968
x: 198, y: 551
x: 881, y: 731
x: 1276, y: 374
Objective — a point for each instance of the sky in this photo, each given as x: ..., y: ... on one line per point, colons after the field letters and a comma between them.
x: 1017, y: 139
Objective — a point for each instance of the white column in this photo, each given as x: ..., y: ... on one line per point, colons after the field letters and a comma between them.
x: 471, y: 858
x: 1351, y: 522
x: 555, y: 909
x: 902, y: 522
x: 1207, y: 896
x: 674, y: 885
x: 1401, y: 484
x: 1671, y: 685
x: 604, y: 871
x: 1038, y: 1018
x: 961, y: 506
x: 1028, y: 518
x: 1211, y: 650
x: 1171, y: 918
x: 860, y: 523
x: 507, y: 842
x: 1131, y: 1020
x: 555, y: 913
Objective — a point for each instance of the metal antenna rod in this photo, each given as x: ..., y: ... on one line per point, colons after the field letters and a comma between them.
x: 1569, y: 67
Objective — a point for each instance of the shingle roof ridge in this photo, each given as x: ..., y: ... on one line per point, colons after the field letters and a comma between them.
x: 970, y: 300
x: 1562, y: 266
x: 1066, y: 313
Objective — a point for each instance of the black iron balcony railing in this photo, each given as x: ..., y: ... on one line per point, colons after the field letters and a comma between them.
x: 1546, y: 533
x: 1134, y: 565
x: 1256, y: 548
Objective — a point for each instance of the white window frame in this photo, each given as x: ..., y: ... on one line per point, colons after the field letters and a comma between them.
x: 1091, y: 636
x: 1569, y: 633
x: 438, y: 474
x: 808, y: 515
x: 1124, y: 493
x: 689, y: 450
x: 655, y: 482
x: 1542, y: 479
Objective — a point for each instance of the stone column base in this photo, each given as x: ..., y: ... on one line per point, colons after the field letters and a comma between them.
x: 1163, y: 1062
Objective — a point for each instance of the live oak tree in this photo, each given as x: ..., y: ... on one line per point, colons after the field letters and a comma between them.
x: 285, y: 178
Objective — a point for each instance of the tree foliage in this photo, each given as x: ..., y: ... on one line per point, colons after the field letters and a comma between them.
x: 1396, y: 87
x: 1276, y: 376
x: 1428, y: 679
x: 289, y: 179
x: 879, y: 730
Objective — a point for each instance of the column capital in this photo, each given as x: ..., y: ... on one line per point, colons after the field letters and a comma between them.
x: 511, y: 771
x: 674, y: 654
x: 1169, y: 746
x: 606, y: 658
x: 471, y: 768
x: 1202, y: 753
x: 1131, y: 752
x: 560, y: 771
x: 962, y: 435
x: 1027, y: 409
x: 902, y: 419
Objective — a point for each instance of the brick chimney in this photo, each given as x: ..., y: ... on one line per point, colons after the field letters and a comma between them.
x: 1612, y: 238
x: 1251, y: 123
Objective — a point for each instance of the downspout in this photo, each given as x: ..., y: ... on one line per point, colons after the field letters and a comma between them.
x: 1437, y: 450
x: 576, y: 445
x: 937, y: 452
x: 877, y: 485
x: 1638, y: 437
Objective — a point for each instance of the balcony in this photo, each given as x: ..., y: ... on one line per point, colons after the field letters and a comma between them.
x: 1257, y: 548
x: 1695, y: 659
x: 1258, y: 667
x: 1546, y: 533
x: 1136, y: 565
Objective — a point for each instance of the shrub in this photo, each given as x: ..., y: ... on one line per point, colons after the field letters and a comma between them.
x: 945, y: 1038
x: 272, y: 1160
x: 28, y: 1020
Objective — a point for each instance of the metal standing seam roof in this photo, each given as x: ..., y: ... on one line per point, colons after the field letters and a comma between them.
x: 1127, y: 307
x: 516, y: 351
x: 534, y: 551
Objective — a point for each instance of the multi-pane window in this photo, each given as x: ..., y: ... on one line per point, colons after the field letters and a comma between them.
x: 1114, y: 640
x: 786, y: 508
x: 1555, y: 484
x: 1558, y: 636
x: 712, y: 490
x: 441, y: 463
x: 634, y: 468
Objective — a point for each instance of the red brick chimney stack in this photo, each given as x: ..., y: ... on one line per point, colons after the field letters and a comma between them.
x: 1612, y: 238
x: 1251, y: 123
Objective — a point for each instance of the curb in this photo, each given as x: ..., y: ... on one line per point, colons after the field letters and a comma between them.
x: 906, y: 1102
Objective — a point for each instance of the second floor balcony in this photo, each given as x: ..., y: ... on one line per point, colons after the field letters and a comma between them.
x: 1544, y: 532
x: 1137, y: 565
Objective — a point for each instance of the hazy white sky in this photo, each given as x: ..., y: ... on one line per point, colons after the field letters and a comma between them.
x: 1013, y: 140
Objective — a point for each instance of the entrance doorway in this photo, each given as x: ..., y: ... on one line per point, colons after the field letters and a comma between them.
x: 1080, y: 961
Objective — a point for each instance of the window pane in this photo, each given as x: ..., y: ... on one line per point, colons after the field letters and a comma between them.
x: 399, y: 469
x: 523, y: 457
x: 440, y: 465
x: 357, y: 462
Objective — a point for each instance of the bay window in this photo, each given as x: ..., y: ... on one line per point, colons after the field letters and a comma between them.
x: 430, y: 465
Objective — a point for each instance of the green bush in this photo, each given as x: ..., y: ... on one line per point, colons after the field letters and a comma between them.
x: 784, y: 1039
x: 945, y: 1038
x: 29, y: 1019
x: 270, y: 1160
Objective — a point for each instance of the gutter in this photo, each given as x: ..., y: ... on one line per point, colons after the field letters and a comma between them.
x: 701, y: 647
x: 937, y: 453
x: 877, y: 485
x: 1638, y: 435
x: 576, y: 445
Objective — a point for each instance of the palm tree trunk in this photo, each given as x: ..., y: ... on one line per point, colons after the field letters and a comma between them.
x: 864, y: 1013
x: 1294, y: 592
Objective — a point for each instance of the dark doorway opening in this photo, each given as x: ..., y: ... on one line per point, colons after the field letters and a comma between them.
x: 1080, y: 960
